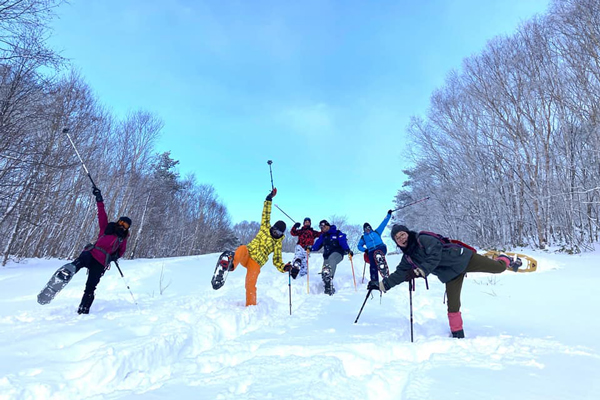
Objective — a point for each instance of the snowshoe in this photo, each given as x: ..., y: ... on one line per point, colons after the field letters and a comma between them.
x: 327, y: 281
x: 224, y: 265
x: 382, y: 266
x: 57, y: 282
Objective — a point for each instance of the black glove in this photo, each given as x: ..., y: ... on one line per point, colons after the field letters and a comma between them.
x: 308, y: 248
x: 350, y: 253
x: 272, y: 194
x: 390, y: 212
x: 295, y: 271
x: 373, y: 285
x: 297, y: 225
x: 96, y: 192
x: 287, y: 267
x: 414, y: 273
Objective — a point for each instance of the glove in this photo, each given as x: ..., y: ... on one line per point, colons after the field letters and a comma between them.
x: 295, y: 271
x: 297, y: 225
x: 389, y: 212
x: 287, y: 267
x: 96, y: 192
x: 272, y: 194
x: 308, y: 248
x: 350, y: 253
x: 414, y: 273
x: 373, y: 285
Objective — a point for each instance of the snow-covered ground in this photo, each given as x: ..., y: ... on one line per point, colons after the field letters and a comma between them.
x: 529, y: 336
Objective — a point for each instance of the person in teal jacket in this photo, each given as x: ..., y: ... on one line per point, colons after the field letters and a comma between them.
x: 372, y: 244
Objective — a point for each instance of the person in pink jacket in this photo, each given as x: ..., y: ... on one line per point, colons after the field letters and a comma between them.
x: 96, y: 257
x: 110, y: 246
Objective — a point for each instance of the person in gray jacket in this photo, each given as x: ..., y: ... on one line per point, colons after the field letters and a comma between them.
x: 427, y: 253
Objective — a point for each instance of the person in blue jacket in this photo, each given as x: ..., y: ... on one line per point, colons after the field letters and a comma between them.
x: 335, y: 245
x: 372, y: 244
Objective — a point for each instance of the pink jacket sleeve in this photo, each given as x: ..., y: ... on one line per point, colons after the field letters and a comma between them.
x: 102, y: 218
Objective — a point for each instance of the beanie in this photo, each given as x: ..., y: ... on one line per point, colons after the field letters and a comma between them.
x: 127, y: 220
x: 366, y: 224
x: 307, y: 219
x: 280, y: 226
x: 398, y: 228
x: 324, y: 222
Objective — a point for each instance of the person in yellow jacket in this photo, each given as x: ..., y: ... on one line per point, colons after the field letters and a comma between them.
x: 255, y: 254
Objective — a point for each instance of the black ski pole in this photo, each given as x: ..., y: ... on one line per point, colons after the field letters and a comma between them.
x: 66, y: 132
x: 410, y: 204
x: 285, y: 213
x: 126, y: 284
x: 290, y: 287
x: 410, y: 289
x: 364, y: 269
x: 271, y: 172
x: 363, y: 306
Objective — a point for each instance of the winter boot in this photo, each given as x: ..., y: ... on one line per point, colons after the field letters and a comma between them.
x: 456, y: 325
x: 512, y: 264
x: 327, y: 281
x: 86, y: 303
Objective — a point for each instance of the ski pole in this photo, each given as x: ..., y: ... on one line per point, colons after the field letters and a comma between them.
x: 66, y: 131
x: 290, y: 287
x: 307, y: 272
x: 410, y: 289
x: 353, y: 277
x: 363, y: 306
x: 126, y: 284
x: 410, y: 204
x: 285, y: 213
x: 271, y: 171
x: 364, y: 269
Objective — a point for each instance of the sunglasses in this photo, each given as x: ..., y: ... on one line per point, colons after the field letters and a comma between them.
x: 123, y: 224
x: 277, y: 232
x: 322, y: 226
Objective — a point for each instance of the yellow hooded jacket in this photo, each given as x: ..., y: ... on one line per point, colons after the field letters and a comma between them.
x: 264, y: 244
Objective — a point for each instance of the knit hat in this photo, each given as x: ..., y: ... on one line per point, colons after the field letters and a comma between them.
x: 365, y: 225
x: 324, y: 222
x: 127, y: 220
x: 280, y: 226
x: 398, y: 228
x: 307, y: 219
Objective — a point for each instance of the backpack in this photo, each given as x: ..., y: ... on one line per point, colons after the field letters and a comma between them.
x: 448, y: 242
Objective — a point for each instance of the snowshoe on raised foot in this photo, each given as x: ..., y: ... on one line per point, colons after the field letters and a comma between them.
x: 224, y: 265
x: 382, y: 266
x: 57, y: 282
x: 327, y: 281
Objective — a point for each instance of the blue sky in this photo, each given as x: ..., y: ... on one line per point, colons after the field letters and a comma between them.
x: 325, y: 89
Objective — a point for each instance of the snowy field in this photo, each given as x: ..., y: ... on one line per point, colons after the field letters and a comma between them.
x: 529, y: 336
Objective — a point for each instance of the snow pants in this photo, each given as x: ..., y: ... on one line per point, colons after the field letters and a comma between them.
x: 95, y: 272
x: 332, y: 262
x: 300, y: 254
x: 242, y: 256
